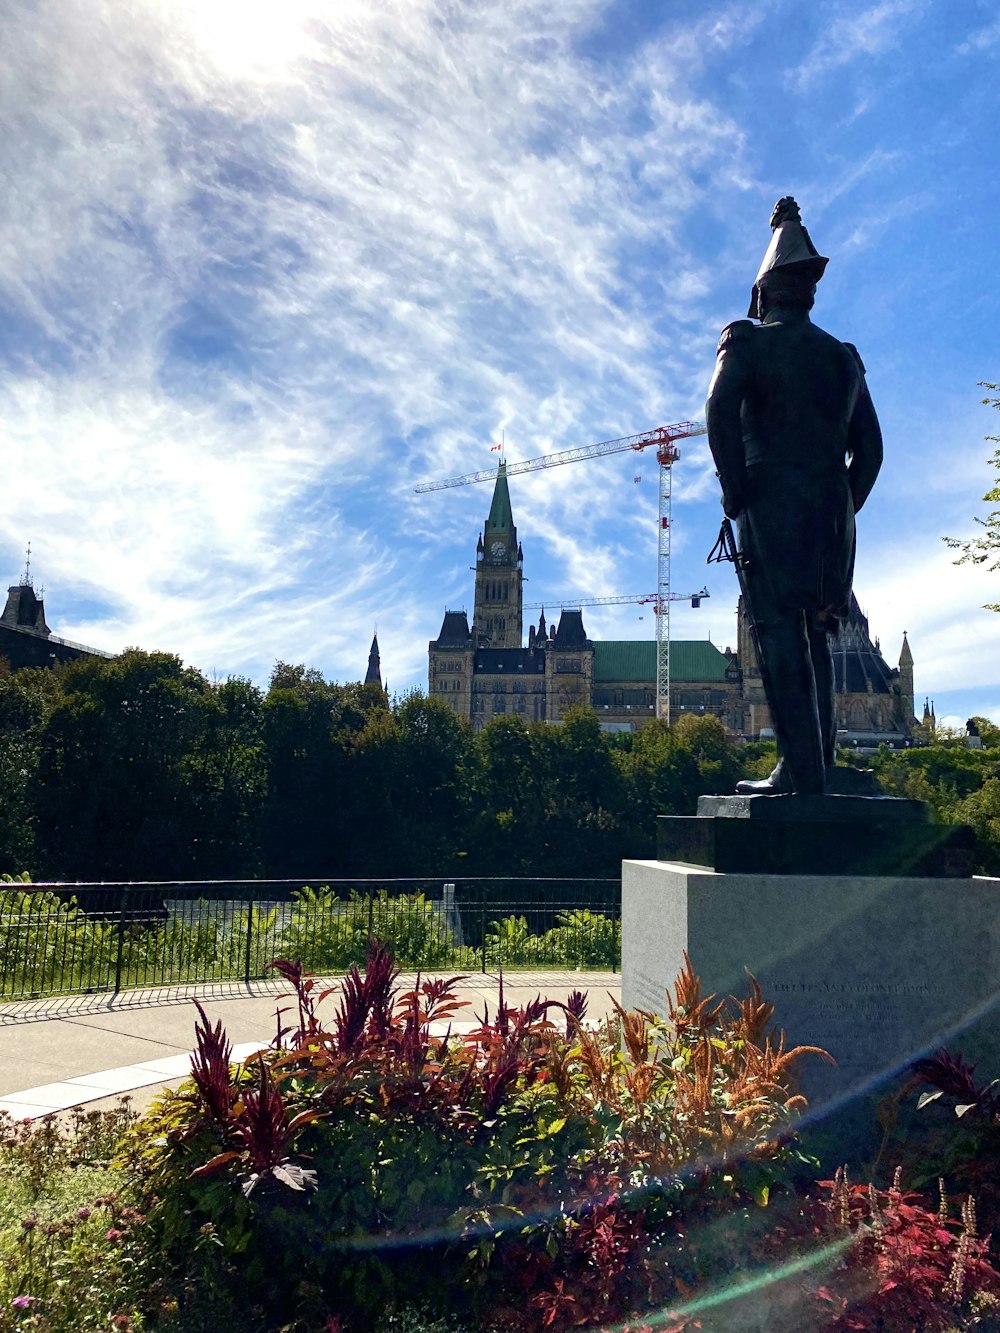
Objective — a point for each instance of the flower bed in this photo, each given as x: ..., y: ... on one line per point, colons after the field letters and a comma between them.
x: 364, y: 1174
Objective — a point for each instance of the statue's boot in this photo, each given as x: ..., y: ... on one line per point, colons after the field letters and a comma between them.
x: 821, y: 653
x: 778, y: 783
x: 803, y: 727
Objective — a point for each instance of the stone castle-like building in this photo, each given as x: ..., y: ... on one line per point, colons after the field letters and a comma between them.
x: 482, y: 670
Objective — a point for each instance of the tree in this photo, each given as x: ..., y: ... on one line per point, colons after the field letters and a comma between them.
x: 115, y: 798
x: 27, y: 699
x: 226, y: 772
x: 411, y: 778
x: 306, y: 736
x: 987, y: 546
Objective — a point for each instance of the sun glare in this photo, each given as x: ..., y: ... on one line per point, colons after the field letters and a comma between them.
x: 257, y: 40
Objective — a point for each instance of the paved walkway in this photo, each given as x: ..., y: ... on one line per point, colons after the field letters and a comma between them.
x: 76, y: 1049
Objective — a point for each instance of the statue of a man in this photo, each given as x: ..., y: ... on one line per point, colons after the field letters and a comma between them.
x: 797, y: 446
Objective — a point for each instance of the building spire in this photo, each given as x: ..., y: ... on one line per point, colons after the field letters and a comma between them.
x: 26, y: 576
x: 501, y: 518
x: 374, y: 673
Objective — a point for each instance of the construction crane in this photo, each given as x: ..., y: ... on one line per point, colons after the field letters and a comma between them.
x: 640, y: 598
x: 662, y: 435
x: 663, y: 439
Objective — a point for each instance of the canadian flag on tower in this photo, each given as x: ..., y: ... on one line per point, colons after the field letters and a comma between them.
x: 495, y: 448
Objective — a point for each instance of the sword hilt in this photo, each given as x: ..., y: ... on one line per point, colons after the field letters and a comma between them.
x: 725, y: 548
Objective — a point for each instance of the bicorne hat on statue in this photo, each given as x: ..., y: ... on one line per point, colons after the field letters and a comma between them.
x: 791, y: 248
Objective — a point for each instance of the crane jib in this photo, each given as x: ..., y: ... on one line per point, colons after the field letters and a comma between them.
x: 662, y: 435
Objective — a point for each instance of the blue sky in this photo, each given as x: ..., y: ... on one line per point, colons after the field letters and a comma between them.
x: 263, y: 267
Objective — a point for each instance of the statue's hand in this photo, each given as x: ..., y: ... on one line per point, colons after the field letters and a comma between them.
x: 732, y: 506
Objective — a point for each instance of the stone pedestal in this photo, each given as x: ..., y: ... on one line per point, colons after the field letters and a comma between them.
x: 875, y: 969
x: 818, y: 835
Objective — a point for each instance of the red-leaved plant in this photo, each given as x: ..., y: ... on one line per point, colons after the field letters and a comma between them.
x: 252, y: 1123
x: 907, y: 1267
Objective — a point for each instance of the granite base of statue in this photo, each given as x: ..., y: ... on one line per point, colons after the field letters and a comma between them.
x: 816, y: 835
x: 859, y: 917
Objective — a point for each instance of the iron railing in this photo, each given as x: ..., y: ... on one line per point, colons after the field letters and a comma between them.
x: 60, y: 938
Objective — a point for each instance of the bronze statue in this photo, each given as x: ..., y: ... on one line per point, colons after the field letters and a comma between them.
x: 797, y: 446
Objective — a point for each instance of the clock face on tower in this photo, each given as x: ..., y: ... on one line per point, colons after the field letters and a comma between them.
x: 498, y: 550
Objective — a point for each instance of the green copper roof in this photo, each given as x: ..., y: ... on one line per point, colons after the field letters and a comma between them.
x: 501, y: 519
x: 635, y: 659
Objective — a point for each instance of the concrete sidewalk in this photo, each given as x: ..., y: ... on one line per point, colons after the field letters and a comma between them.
x: 77, y: 1049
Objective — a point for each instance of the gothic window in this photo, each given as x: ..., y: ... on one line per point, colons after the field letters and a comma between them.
x: 499, y: 703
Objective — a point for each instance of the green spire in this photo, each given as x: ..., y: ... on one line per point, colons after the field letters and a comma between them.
x: 501, y: 519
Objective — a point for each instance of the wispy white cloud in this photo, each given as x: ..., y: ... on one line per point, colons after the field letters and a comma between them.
x: 290, y: 261
x: 267, y: 266
x: 983, y: 40
x: 906, y: 582
x: 850, y: 34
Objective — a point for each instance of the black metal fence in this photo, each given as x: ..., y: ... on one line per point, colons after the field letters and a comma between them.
x: 80, y: 938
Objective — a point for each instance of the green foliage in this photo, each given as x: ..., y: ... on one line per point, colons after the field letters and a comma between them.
x: 54, y: 947
x: 26, y: 699
x: 581, y: 939
x: 147, y: 748
x: 141, y: 769
x: 985, y: 547
x: 981, y: 809
x: 328, y: 934
x: 960, y: 785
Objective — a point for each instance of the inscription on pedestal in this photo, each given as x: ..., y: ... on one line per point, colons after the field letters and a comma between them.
x: 876, y: 970
x: 648, y: 992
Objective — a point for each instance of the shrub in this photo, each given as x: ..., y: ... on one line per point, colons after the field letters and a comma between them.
x: 583, y: 939
x: 373, y: 1164
x: 329, y: 934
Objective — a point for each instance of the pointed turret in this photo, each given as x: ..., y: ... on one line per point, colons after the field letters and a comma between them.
x: 25, y: 609
x: 374, y: 673
x: 501, y: 518
x: 906, y: 702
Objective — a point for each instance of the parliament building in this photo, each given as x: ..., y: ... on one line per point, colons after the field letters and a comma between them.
x: 483, y: 670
